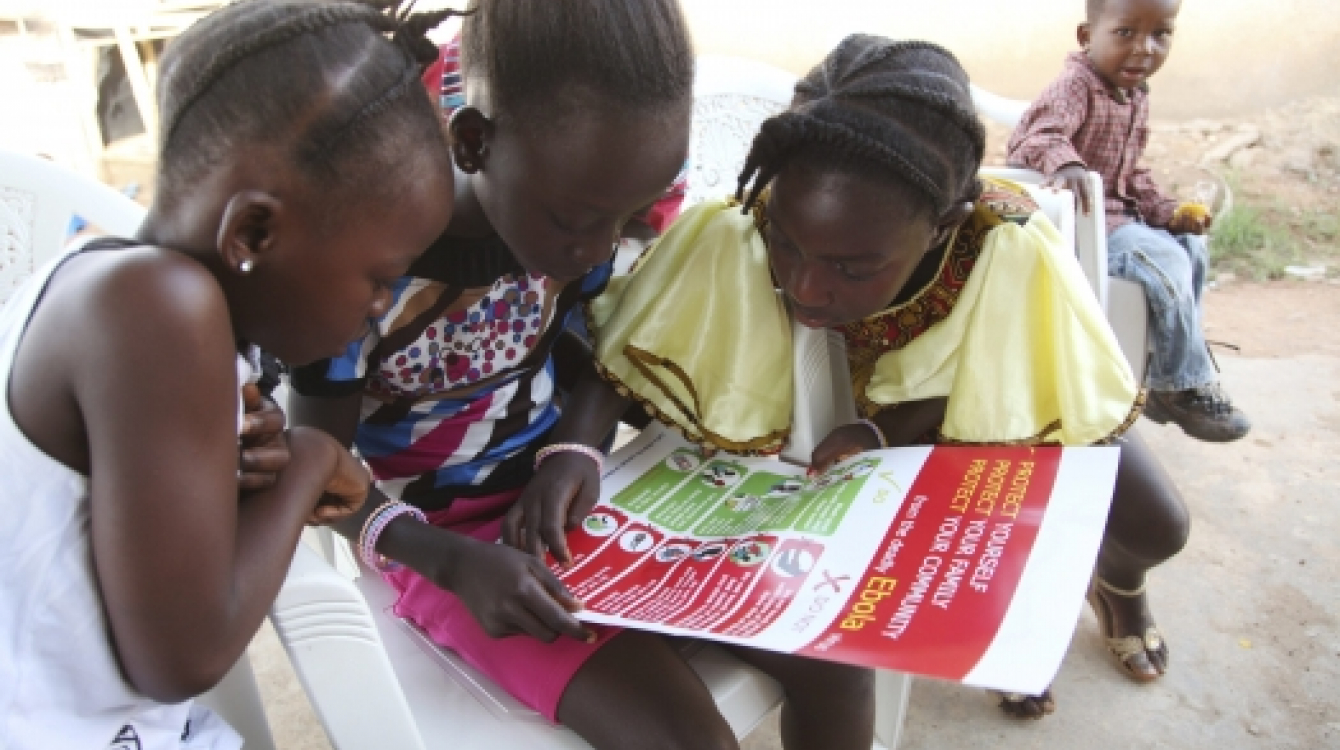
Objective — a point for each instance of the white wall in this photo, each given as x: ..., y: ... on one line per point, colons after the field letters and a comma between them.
x: 1229, y: 57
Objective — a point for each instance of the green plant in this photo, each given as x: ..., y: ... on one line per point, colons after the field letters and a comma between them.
x: 1322, y: 227
x: 1254, y: 242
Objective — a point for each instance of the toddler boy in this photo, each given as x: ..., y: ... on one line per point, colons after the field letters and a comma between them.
x: 1095, y: 116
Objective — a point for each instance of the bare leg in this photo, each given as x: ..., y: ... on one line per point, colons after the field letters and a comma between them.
x: 829, y: 706
x: 1147, y: 525
x: 637, y: 691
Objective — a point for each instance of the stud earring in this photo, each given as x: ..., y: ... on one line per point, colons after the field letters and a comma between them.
x: 246, y: 265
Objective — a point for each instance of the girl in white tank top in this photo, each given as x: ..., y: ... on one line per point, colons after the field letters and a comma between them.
x: 301, y: 170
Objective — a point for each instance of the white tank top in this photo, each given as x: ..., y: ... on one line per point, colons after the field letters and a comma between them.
x: 60, y: 685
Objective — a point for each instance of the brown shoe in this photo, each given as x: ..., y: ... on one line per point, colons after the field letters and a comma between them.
x: 1204, y: 413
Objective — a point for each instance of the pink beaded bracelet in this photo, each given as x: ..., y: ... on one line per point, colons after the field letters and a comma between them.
x: 879, y: 434
x: 585, y: 450
x: 373, y: 527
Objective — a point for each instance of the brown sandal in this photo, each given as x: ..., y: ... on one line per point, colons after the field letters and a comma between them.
x: 1124, y: 647
x: 1015, y: 704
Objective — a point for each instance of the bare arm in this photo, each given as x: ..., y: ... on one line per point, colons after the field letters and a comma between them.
x: 507, y: 592
x: 187, y: 568
x: 902, y: 425
x: 567, y: 485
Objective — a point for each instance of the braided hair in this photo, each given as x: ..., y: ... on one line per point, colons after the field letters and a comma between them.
x: 895, y: 111
x: 535, y: 56
x: 319, y: 78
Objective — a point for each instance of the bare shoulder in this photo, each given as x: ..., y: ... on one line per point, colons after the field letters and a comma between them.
x: 142, y: 280
x: 142, y: 309
x: 154, y: 303
x: 115, y: 329
x: 143, y: 291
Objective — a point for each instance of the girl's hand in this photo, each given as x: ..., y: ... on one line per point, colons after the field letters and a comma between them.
x: 345, y: 492
x: 510, y: 592
x: 562, y: 492
x: 264, y: 452
x: 842, y: 443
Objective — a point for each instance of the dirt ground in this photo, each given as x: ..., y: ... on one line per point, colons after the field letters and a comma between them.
x: 1275, y: 320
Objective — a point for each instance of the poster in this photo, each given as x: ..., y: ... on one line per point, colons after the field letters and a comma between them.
x: 966, y: 564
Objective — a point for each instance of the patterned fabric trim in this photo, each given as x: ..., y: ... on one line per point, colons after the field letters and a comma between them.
x: 895, y: 327
x: 767, y: 445
x: 1040, y: 440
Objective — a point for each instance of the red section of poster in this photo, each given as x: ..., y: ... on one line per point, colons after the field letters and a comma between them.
x: 597, y: 529
x: 625, y: 549
x: 935, y: 596
x: 681, y: 584
x: 782, y: 578
x: 645, y: 580
x: 724, y: 589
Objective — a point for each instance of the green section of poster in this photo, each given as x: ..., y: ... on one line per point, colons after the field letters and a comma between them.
x: 756, y: 504
x: 822, y: 512
x: 695, y: 499
x: 658, y: 483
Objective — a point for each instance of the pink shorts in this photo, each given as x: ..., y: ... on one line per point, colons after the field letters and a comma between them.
x: 534, y: 672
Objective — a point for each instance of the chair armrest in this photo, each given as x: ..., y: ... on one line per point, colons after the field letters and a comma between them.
x: 1128, y: 313
x: 823, y: 399
x: 327, y: 629
x: 1091, y: 242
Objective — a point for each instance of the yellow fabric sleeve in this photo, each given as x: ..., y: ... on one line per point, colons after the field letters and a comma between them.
x: 698, y: 333
x: 1026, y: 354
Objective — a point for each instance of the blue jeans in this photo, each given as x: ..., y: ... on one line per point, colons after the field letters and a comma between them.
x: 1172, y: 272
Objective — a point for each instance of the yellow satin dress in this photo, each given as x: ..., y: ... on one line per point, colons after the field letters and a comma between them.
x: 1020, y: 348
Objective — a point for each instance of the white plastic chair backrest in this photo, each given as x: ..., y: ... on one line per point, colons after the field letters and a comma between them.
x: 732, y: 96
x: 38, y: 199
x: 1085, y: 234
x: 998, y: 108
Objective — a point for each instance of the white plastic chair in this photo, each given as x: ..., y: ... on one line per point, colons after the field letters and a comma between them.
x: 37, y: 202
x: 1123, y: 301
x: 38, y: 199
x: 732, y: 97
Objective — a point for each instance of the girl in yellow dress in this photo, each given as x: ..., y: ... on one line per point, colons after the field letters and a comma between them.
x: 860, y: 209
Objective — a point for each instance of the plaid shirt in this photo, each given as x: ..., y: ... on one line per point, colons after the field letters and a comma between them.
x: 1080, y: 119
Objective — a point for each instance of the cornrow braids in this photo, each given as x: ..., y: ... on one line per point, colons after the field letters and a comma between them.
x: 534, y: 56
x: 898, y: 111
x: 313, y: 75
